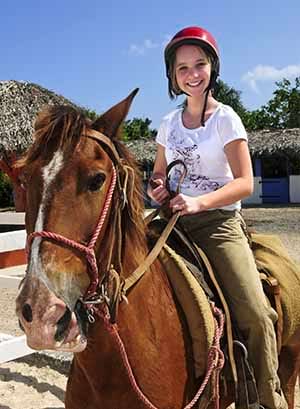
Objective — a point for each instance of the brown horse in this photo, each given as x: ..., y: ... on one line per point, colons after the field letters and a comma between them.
x: 84, y: 220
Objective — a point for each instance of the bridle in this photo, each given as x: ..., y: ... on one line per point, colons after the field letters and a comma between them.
x: 93, y: 295
x: 113, y: 287
x: 96, y: 294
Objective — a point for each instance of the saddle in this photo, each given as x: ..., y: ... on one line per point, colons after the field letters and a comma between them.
x: 196, y: 262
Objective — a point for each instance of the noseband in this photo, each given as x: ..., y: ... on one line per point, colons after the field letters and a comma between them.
x: 91, y: 295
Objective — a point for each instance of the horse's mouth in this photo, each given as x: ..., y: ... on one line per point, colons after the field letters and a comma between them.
x: 71, y: 330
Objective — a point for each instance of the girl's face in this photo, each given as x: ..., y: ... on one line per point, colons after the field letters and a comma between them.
x: 192, y: 70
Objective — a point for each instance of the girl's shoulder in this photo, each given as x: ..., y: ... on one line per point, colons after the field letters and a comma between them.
x: 172, y: 115
x: 226, y: 111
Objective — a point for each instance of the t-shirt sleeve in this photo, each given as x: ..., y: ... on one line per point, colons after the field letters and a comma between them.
x: 231, y: 128
x: 161, y: 136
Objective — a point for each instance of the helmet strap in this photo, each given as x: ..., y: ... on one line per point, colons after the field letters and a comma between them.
x: 204, y: 106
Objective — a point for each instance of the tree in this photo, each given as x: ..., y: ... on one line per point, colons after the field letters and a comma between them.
x: 90, y: 113
x: 6, y: 194
x: 229, y: 96
x: 137, y: 128
x: 282, y: 111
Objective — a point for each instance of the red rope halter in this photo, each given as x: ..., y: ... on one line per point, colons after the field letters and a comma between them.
x: 88, y: 250
x: 214, y: 365
x: 215, y: 355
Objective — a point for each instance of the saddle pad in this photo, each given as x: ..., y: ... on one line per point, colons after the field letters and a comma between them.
x: 271, y: 256
x: 195, y: 306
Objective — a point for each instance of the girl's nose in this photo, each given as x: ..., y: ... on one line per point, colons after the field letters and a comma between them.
x: 194, y: 73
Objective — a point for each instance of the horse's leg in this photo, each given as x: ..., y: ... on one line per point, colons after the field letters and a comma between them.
x: 289, y: 369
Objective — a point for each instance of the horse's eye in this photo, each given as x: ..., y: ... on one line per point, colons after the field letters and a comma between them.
x: 96, y: 182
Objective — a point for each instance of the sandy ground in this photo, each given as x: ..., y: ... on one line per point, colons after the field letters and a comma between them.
x: 38, y: 382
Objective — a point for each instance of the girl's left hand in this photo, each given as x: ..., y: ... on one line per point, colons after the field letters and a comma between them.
x: 187, y: 204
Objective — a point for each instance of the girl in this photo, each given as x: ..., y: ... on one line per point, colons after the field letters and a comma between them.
x: 211, y: 140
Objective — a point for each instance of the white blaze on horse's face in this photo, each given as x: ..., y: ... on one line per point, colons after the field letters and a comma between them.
x: 36, y: 268
x: 49, y: 173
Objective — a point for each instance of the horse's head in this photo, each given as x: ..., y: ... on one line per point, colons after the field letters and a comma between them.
x: 78, y: 176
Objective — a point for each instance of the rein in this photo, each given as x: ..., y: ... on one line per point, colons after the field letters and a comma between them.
x: 214, y: 366
x: 88, y: 250
x: 91, y: 296
x: 95, y: 295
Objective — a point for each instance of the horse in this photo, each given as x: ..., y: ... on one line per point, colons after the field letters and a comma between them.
x: 86, y: 235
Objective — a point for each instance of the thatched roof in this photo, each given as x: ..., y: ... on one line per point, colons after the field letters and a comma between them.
x: 19, y: 104
x: 21, y: 101
x: 143, y: 149
x: 261, y: 143
x: 279, y: 141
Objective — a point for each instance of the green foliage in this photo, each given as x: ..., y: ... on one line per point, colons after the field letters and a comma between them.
x: 137, y: 128
x: 229, y: 96
x: 6, y: 197
x: 91, y: 114
x: 282, y: 111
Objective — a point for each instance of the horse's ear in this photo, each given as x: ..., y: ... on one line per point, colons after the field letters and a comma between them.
x: 110, y: 121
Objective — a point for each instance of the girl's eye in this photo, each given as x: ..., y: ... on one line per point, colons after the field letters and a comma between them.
x: 96, y: 182
x: 182, y: 69
x: 202, y: 64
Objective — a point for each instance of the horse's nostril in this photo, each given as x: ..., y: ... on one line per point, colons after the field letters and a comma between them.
x: 27, y: 312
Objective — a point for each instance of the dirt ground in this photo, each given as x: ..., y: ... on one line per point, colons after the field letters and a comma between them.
x: 38, y: 381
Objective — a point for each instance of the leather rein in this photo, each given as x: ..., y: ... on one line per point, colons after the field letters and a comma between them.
x: 113, y: 287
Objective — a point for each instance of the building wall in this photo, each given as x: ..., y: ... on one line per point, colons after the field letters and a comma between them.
x: 294, y: 188
x: 294, y: 191
x: 256, y: 197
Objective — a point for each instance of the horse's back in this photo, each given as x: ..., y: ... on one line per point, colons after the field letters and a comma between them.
x: 272, y: 256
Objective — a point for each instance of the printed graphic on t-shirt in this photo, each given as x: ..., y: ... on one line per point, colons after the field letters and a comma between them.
x: 189, y: 155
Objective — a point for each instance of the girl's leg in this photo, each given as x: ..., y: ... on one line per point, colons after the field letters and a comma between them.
x: 220, y: 234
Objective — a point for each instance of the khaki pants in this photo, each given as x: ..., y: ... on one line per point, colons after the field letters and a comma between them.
x: 221, y: 234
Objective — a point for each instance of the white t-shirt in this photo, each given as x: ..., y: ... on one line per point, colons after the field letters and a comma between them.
x: 201, y: 149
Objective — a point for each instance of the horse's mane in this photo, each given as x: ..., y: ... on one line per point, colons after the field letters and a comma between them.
x: 56, y: 127
x: 133, y: 213
x: 61, y: 127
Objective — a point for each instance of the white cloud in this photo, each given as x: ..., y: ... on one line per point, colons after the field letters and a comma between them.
x: 141, y: 49
x: 268, y: 73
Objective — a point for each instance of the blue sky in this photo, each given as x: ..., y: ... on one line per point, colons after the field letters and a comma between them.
x: 95, y: 52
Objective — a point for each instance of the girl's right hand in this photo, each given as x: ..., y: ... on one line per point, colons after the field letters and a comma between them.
x: 157, y: 190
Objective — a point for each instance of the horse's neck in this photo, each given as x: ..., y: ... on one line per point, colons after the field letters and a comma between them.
x: 156, y: 342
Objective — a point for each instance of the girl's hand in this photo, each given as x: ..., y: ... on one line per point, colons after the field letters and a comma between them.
x: 157, y: 190
x: 187, y: 204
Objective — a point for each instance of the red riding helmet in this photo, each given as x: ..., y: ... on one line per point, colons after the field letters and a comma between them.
x: 194, y: 36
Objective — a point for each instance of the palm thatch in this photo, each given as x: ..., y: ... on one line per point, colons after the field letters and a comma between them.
x: 144, y: 150
x: 21, y: 101
x: 19, y: 104
x: 284, y: 142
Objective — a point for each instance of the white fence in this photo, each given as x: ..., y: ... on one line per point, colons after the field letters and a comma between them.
x: 12, y: 347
